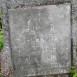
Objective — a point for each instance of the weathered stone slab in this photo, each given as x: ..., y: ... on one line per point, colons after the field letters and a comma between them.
x: 40, y: 40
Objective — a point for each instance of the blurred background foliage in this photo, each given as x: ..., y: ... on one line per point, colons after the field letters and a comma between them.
x: 1, y: 40
x: 0, y: 19
x: 1, y: 32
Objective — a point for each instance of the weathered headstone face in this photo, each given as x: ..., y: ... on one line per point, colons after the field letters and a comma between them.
x: 40, y: 39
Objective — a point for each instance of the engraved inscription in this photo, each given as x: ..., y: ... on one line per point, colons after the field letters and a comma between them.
x: 40, y: 39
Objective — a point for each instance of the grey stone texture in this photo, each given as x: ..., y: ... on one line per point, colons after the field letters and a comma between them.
x: 40, y: 40
x: 7, y: 57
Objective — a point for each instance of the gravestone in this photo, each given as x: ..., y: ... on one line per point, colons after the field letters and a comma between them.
x: 38, y: 37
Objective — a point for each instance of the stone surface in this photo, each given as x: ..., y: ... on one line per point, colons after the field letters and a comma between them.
x: 74, y: 28
x: 31, y: 3
x: 6, y: 61
x: 40, y: 40
x: 7, y: 4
